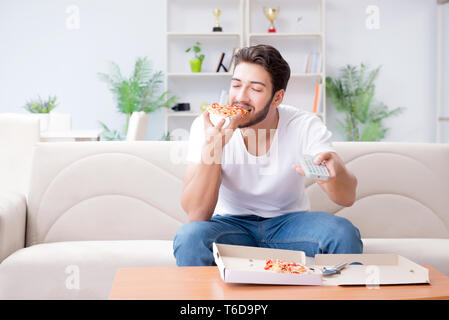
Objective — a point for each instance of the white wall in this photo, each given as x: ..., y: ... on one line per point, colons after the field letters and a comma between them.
x: 39, y: 55
x: 405, y: 45
x: 444, y: 132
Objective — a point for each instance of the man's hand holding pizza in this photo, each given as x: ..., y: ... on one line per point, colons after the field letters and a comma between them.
x: 216, y: 137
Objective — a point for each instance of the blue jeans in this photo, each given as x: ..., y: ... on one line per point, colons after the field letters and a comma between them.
x: 311, y: 232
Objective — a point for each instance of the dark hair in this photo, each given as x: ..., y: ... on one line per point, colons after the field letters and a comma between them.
x: 270, y: 59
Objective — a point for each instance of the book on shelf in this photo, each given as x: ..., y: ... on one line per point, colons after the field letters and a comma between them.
x: 307, y: 64
x: 313, y: 63
x: 317, y: 98
x: 232, y: 62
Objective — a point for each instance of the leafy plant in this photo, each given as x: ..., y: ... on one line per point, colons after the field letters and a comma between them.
x: 140, y: 92
x: 166, y: 137
x: 41, y: 106
x: 109, y: 134
x: 196, y: 51
x: 353, y: 95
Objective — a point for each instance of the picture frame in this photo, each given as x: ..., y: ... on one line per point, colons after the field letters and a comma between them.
x: 220, y: 63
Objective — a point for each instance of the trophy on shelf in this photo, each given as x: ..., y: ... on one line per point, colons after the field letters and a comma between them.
x: 217, y: 27
x: 271, y: 14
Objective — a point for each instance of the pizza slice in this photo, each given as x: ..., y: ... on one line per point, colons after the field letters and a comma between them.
x: 225, y: 111
x: 282, y: 266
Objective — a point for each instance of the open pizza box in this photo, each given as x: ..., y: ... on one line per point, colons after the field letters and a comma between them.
x: 242, y: 264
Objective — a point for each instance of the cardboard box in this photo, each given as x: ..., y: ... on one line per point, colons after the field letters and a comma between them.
x: 242, y: 264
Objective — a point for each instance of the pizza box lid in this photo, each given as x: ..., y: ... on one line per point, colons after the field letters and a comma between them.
x: 244, y: 264
x: 372, y: 269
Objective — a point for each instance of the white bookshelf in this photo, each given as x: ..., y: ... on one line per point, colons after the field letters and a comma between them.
x: 189, y: 21
x: 203, y: 35
x: 284, y: 35
x: 243, y: 24
x: 198, y: 74
x: 290, y: 39
x: 306, y: 75
x: 183, y: 114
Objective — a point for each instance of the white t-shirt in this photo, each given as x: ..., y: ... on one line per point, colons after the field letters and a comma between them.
x: 266, y: 185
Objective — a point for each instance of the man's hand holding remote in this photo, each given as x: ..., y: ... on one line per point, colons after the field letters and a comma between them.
x: 341, y: 186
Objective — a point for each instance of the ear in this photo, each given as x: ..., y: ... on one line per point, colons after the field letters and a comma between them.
x: 278, y: 97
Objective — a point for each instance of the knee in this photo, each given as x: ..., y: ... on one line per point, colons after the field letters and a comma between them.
x: 347, y: 236
x: 191, y: 245
x: 190, y: 234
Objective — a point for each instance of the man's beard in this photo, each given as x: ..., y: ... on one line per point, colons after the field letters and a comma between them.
x: 258, y: 116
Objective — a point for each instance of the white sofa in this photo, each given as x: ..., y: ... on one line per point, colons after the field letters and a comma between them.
x: 93, y: 207
x: 18, y: 134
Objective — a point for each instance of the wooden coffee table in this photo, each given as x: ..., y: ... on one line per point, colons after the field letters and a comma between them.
x: 204, y: 283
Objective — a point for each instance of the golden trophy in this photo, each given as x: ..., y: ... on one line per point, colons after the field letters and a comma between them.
x: 271, y: 15
x: 217, y: 27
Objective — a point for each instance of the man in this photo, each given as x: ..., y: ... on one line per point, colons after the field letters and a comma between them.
x: 243, y: 184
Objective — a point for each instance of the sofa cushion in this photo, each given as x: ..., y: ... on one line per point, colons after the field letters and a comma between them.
x: 401, y: 193
x: 12, y: 223
x: 431, y: 252
x: 78, y: 269
x: 107, y: 190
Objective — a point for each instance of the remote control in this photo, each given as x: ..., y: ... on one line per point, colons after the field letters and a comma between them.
x: 312, y: 170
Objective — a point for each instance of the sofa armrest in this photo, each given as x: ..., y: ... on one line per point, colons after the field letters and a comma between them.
x: 12, y: 223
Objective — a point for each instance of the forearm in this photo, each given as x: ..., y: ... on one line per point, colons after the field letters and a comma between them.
x: 200, y: 195
x: 342, y: 189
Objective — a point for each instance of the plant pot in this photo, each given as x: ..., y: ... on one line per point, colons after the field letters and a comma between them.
x: 44, y: 119
x: 195, y: 65
x: 60, y: 121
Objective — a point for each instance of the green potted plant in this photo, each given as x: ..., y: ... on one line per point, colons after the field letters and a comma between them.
x: 110, y: 134
x: 197, y: 61
x: 140, y: 92
x: 353, y: 95
x: 166, y: 137
x: 42, y: 109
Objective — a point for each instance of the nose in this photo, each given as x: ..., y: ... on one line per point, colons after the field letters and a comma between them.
x: 242, y: 95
